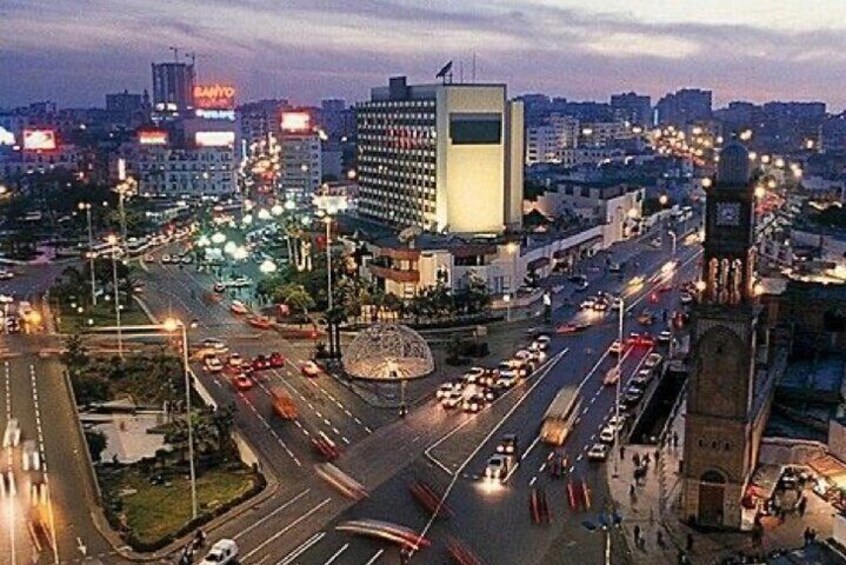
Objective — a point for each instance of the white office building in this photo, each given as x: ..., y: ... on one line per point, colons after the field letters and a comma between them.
x: 442, y: 157
x: 547, y: 143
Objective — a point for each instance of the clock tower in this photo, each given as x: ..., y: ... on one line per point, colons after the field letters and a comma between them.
x: 720, y: 447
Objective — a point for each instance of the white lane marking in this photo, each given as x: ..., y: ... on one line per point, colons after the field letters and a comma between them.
x: 302, y: 548
x: 532, y: 480
x: 50, y: 515
x: 345, y: 440
x: 375, y: 557
x: 264, y: 519
x: 285, y: 530
x: 530, y: 448
x: 336, y: 555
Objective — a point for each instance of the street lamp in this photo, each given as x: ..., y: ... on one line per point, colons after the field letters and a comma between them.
x: 617, y: 389
x: 672, y: 234
x: 112, y: 240
x: 507, y: 299
x: 87, y: 207
x: 267, y: 267
x: 218, y: 238
x: 172, y: 325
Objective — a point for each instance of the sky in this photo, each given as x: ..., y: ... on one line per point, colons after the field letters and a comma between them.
x: 75, y: 51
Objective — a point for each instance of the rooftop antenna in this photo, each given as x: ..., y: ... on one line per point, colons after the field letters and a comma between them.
x: 175, y: 53
x: 445, y: 74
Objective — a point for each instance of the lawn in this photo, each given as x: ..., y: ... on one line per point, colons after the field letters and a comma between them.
x: 155, y: 511
x: 103, y: 314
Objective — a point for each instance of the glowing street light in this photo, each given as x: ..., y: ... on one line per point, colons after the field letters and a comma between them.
x: 663, y: 199
x: 240, y: 253
x: 247, y: 220
x: 276, y: 210
x: 203, y: 241
x: 230, y: 247
x: 263, y: 214
x: 218, y: 238
x: 267, y: 267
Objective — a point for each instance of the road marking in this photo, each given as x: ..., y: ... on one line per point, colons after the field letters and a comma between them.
x: 44, y: 464
x: 9, y: 463
x: 345, y: 440
x: 530, y: 448
x: 542, y: 467
x: 302, y: 548
x: 532, y: 480
x: 285, y: 530
x: 336, y: 555
x: 264, y: 519
x: 375, y: 557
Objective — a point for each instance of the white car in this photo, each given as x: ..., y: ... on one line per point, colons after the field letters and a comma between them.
x: 310, y: 369
x: 240, y: 282
x: 216, y: 344
x: 608, y: 434
x: 235, y: 360
x: 598, y: 452
x: 616, y: 348
x: 473, y: 375
x: 588, y: 303
x: 506, y: 380
x: 213, y: 364
x: 653, y: 360
x: 616, y: 304
x: 6, y: 275
x: 222, y: 552
x: 452, y: 400
x: 497, y: 468
x: 165, y: 258
x: 664, y: 337
x: 31, y: 457
x: 443, y: 391
x: 541, y: 342
x: 685, y: 298
x: 12, y: 436
x: 239, y: 307
x: 617, y: 422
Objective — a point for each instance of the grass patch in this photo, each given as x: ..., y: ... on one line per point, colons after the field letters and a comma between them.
x: 103, y: 314
x: 156, y: 511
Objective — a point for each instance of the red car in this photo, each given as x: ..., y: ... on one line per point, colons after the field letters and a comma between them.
x: 642, y: 340
x: 277, y: 359
x: 325, y: 447
x: 242, y: 382
x: 260, y: 363
x: 571, y: 328
x: 310, y: 369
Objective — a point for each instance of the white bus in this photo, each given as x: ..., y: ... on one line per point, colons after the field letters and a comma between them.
x: 559, y: 417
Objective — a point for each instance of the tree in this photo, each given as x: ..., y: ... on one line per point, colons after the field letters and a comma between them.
x: 97, y: 443
x: 474, y: 298
x: 75, y: 356
x: 296, y: 297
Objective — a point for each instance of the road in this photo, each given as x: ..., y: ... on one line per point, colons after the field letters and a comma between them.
x: 386, y: 454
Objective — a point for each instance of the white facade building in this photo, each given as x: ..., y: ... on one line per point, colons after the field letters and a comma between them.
x: 300, y: 160
x: 443, y: 157
x: 546, y: 143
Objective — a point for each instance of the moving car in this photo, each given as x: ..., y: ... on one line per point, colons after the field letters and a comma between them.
x: 212, y: 364
x: 598, y: 452
x: 473, y: 375
x: 508, y: 444
x: 474, y: 402
x: 611, y: 377
x: 325, y: 446
x: 260, y: 363
x: 582, y: 286
x: 571, y: 328
x: 165, y: 258
x: 216, y: 344
x: 443, y: 391
x: 685, y: 298
x: 238, y: 307
x: 541, y: 343
x: 497, y: 467
x: 6, y: 275
x: 646, y: 318
x: 12, y: 435
x: 242, y: 382
x: 452, y: 400
x: 664, y: 336
x: 616, y: 348
x: 235, y: 360
x: 277, y: 359
x: 588, y: 303
x: 641, y: 339
x: 642, y: 378
x: 222, y: 552
x: 653, y: 360
x: 608, y: 434
x: 31, y: 456
x: 310, y: 369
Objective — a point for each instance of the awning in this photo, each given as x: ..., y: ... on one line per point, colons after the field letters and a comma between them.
x: 538, y: 263
x: 764, y: 481
x: 830, y: 468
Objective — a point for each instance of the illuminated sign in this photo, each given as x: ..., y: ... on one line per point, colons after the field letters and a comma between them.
x: 214, y: 138
x: 39, y: 140
x: 295, y: 121
x: 6, y: 137
x: 228, y: 115
x: 214, y: 97
x: 152, y: 137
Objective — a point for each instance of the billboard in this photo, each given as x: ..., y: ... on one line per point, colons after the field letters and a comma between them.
x: 39, y: 140
x: 214, y: 138
x: 6, y: 137
x: 152, y: 137
x: 214, y: 97
x: 295, y: 121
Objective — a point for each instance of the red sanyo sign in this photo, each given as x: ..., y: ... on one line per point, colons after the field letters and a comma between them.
x: 214, y: 96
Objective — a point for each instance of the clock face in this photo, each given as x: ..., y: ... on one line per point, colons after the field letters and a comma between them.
x: 728, y: 214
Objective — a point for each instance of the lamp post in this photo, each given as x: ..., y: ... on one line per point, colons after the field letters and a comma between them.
x: 87, y: 207
x: 327, y: 219
x: 507, y: 299
x: 673, y: 236
x: 617, y: 423
x: 113, y: 242
x: 171, y: 325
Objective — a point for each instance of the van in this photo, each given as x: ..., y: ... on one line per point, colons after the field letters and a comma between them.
x: 223, y: 551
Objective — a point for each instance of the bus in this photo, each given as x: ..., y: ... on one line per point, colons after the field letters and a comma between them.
x: 559, y: 417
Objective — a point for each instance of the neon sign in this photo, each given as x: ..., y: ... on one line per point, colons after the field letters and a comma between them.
x: 39, y: 140
x: 295, y: 121
x: 214, y: 97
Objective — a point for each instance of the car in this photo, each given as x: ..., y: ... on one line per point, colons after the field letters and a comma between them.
x: 588, y: 303
x: 473, y: 375
x: 277, y: 359
x: 571, y: 328
x: 615, y: 348
x: 637, y: 281
x: 582, y: 286
x: 488, y: 378
x: 617, y: 421
x: 614, y: 268
x: 643, y: 376
x: 242, y: 382
x: 598, y: 452
x: 655, y: 242
x: 452, y: 399
x: 474, y: 402
x: 608, y: 434
x: 497, y: 467
x: 542, y: 342
x: 600, y: 306
x: 685, y: 298
x: 325, y: 446
x: 259, y: 322
x: 212, y: 364
x: 616, y: 304
x: 165, y: 258
x: 646, y: 318
x: 240, y: 282
x: 31, y: 456
x: 443, y: 391
x: 235, y: 360
x: 310, y: 369
x: 215, y: 344
x: 507, y: 369
x: 507, y: 380
x: 653, y: 360
x: 641, y: 339
x: 611, y: 377
x: 6, y: 275
x: 508, y: 445
x: 664, y: 336
x: 186, y: 260
x: 238, y: 307
x: 260, y: 363
x: 490, y: 394
x: 219, y: 287
x: 12, y: 435
x: 221, y: 553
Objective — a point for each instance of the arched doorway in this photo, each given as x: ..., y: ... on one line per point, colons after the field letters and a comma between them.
x: 712, y: 490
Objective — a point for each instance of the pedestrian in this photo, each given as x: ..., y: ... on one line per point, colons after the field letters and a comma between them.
x: 646, y: 459
x: 689, y: 544
x: 803, y: 504
x: 659, y: 539
x: 622, y: 452
x: 632, y: 491
x: 637, y: 535
x: 675, y: 440
x: 813, y: 535
x: 636, y: 460
x: 806, y: 536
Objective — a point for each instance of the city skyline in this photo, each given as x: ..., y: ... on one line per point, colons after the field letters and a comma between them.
x: 313, y: 50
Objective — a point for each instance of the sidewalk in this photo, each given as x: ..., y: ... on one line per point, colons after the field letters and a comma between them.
x: 642, y: 510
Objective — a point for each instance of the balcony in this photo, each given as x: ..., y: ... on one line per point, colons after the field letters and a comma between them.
x: 396, y: 275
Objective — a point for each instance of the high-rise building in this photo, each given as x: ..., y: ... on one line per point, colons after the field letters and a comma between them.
x: 299, y: 153
x: 173, y: 88
x: 546, y: 143
x: 729, y: 392
x: 634, y: 108
x: 684, y: 107
x: 443, y: 157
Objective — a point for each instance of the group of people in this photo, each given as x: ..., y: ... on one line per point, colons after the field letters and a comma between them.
x: 199, y: 541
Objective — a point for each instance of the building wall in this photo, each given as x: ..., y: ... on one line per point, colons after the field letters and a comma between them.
x: 194, y: 172
x: 514, y: 166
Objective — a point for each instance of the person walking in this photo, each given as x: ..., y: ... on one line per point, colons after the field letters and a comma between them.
x: 803, y: 504
x: 659, y: 539
x: 622, y: 452
x: 689, y: 544
x: 637, y: 535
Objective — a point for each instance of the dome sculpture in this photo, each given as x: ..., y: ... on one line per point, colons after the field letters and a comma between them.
x: 734, y: 165
x: 388, y: 352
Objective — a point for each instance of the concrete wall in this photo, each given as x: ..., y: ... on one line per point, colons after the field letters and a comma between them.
x: 784, y: 451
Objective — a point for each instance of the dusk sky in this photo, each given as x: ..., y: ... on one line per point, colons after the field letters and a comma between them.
x: 74, y: 51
